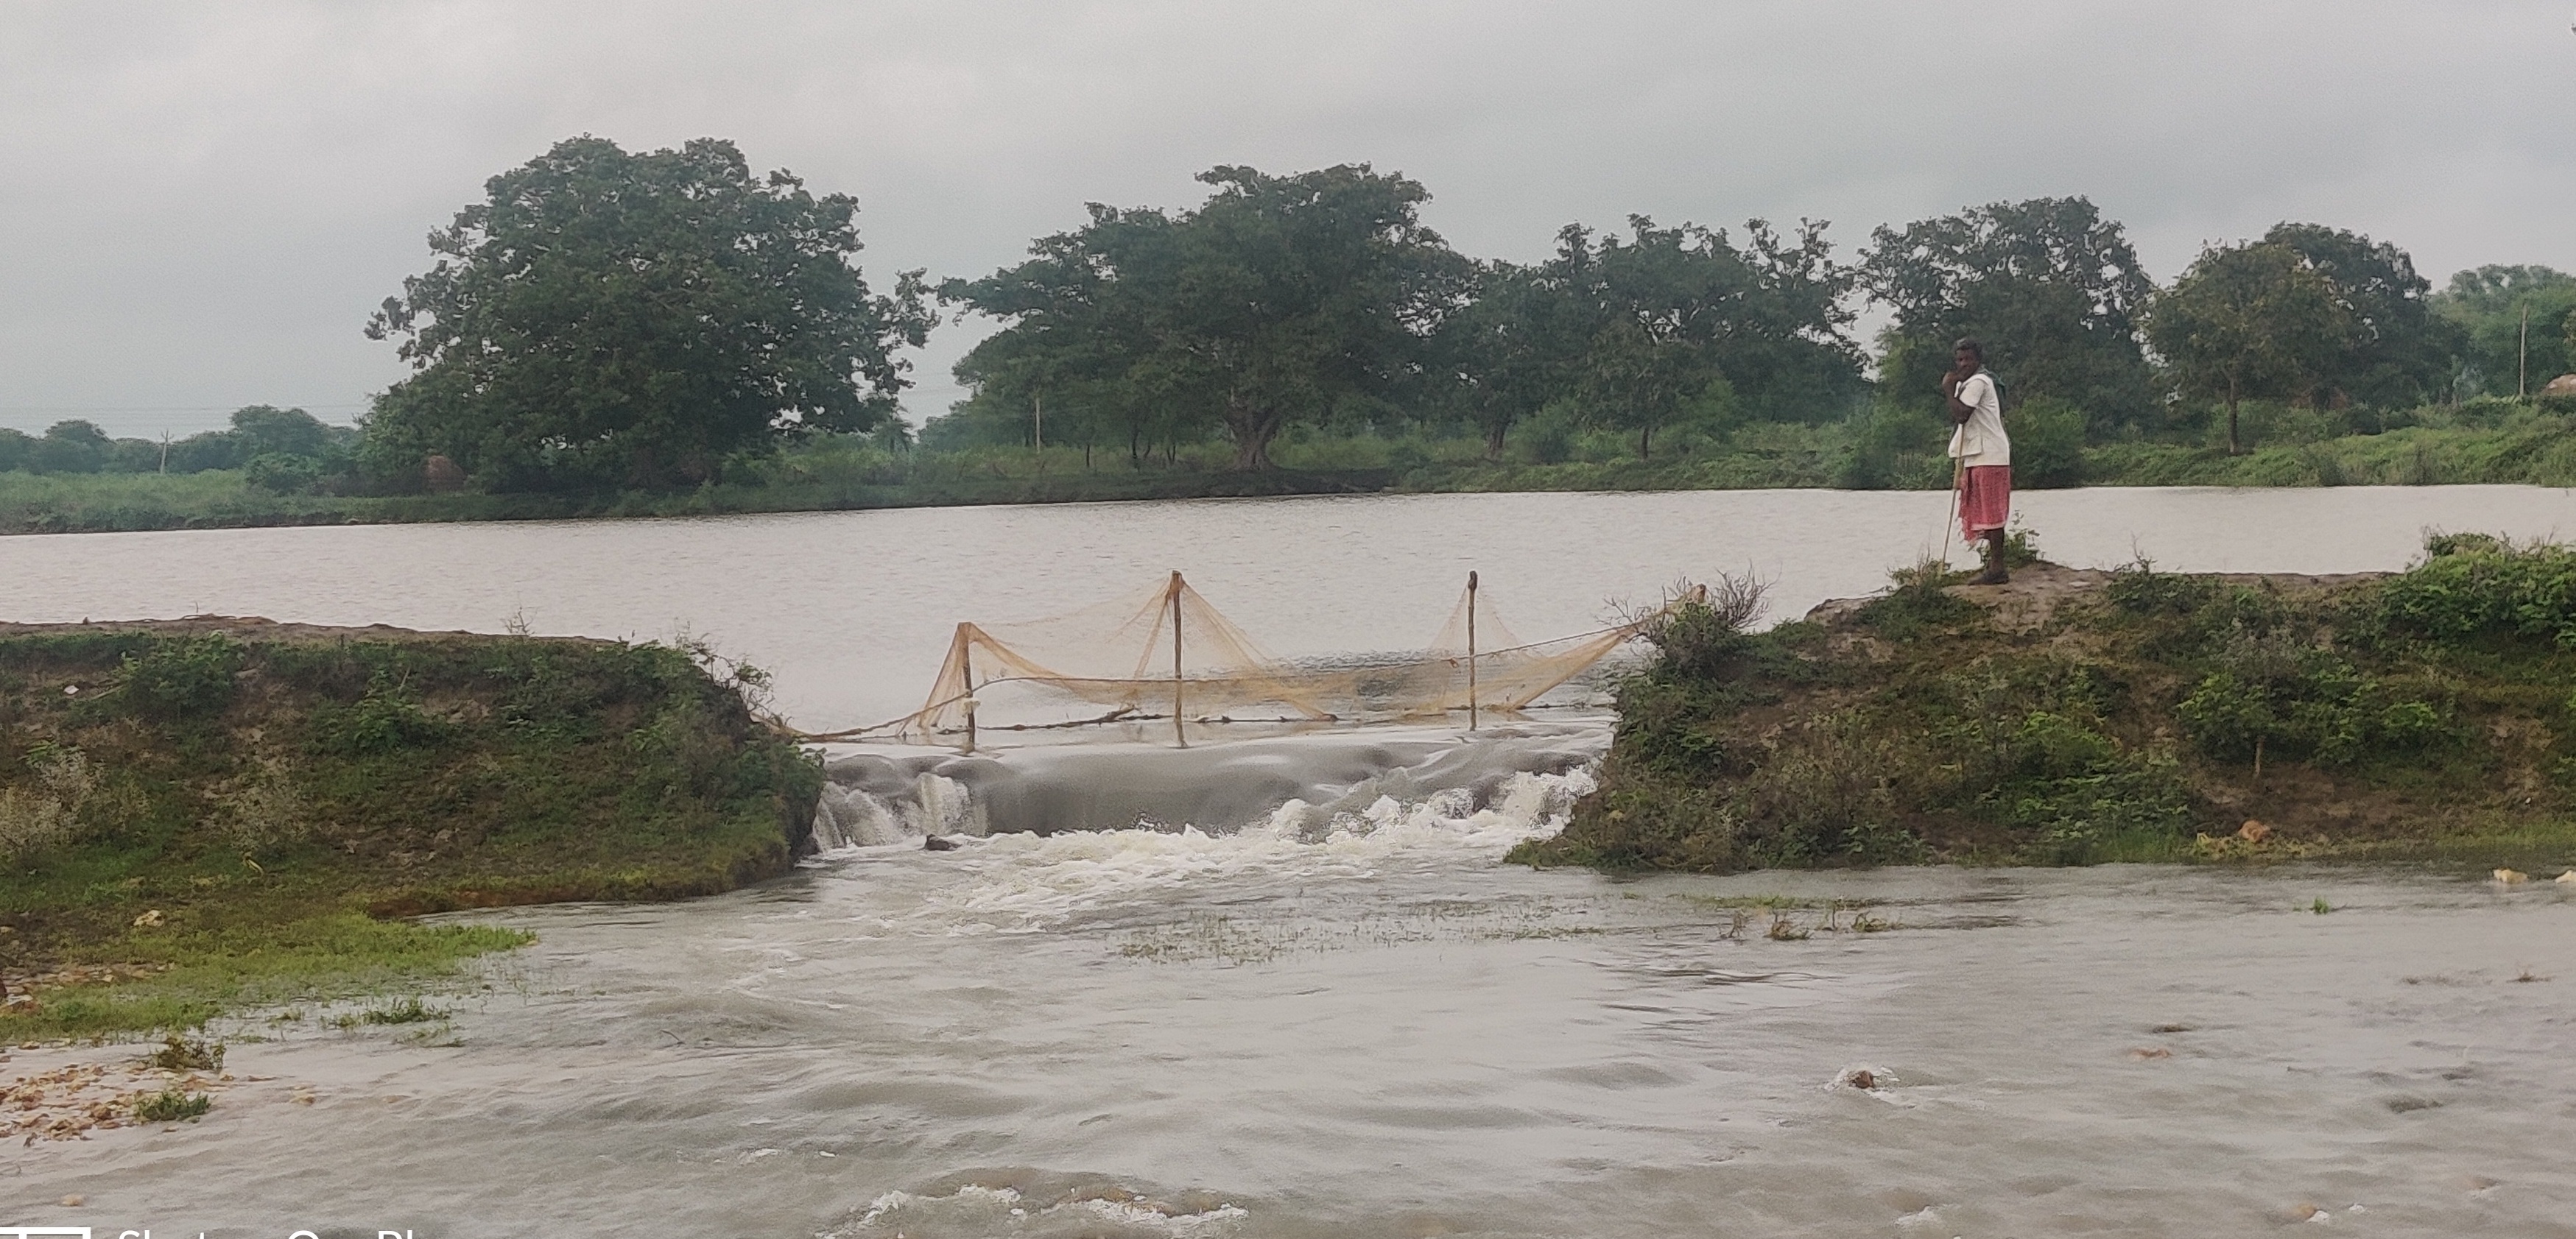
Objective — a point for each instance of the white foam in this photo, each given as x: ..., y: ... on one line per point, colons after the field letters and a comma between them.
x: 1024, y: 883
x: 976, y: 1206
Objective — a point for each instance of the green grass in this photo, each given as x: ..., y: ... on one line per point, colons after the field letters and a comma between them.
x: 223, y: 820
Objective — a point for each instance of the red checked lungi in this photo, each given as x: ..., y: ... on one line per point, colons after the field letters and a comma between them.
x: 1985, y: 499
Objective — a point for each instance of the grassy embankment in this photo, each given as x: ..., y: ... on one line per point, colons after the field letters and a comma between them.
x: 2491, y: 441
x: 201, y: 816
x: 2078, y: 717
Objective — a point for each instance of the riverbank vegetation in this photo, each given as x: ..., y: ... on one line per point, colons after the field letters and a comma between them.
x: 2076, y: 717
x: 196, y: 816
x: 611, y: 333
x: 2483, y: 441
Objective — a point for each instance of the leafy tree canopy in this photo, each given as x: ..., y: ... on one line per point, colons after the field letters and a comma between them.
x: 2489, y: 304
x: 604, y: 316
x: 1280, y: 298
x: 2396, y: 351
x: 1767, y: 317
x: 1523, y: 337
x: 2250, y: 321
x: 2051, y: 288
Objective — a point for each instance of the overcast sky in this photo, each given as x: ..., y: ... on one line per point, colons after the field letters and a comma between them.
x: 199, y: 204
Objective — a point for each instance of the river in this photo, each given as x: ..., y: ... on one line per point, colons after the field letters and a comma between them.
x: 1338, y: 1015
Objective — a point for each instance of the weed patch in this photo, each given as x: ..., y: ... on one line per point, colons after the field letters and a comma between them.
x: 172, y: 1105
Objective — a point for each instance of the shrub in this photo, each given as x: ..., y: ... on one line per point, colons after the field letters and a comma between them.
x: 46, y: 816
x: 383, y: 720
x: 1552, y: 437
x: 2278, y: 694
x: 2047, y: 444
x: 1822, y: 797
x: 181, y: 677
x: 1703, y: 627
x: 2070, y: 788
x: 263, y: 814
x: 282, y: 474
x: 2469, y: 585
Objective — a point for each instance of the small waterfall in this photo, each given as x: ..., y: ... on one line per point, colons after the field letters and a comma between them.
x: 1323, y: 782
x: 855, y: 816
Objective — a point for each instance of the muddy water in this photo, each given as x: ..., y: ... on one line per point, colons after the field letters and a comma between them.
x: 853, y: 610
x: 1383, y: 1033
x: 1340, y: 1015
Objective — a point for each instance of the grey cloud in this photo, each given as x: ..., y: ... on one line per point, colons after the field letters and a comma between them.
x: 202, y: 202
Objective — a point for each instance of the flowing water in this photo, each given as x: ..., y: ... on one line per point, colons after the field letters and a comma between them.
x: 1281, y: 986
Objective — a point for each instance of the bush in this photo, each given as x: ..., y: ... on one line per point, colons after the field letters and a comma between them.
x: 2471, y: 584
x: 383, y: 720
x: 37, y: 819
x: 181, y: 677
x: 263, y: 814
x: 282, y: 474
x: 1822, y: 797
x: 1894, y: 445
x: 1702, y: 629
x: 2279, y: 695
x: 1552, y: 437
x: 2047, y: 444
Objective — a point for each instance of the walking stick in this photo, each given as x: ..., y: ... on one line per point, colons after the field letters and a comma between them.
x: 1950, y: 522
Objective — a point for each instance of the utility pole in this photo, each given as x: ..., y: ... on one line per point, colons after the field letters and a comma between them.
x: 165, y: 451
x: 1037, y: 419
x: 2522, y: 358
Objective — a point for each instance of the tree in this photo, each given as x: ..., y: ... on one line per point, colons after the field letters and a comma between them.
x: 606, y: 316
x: 2249, y: 321
x: 2489, y: 306
x: 2051, y: 288
x: 74, y: 446
x: 2398, y: 352
x: 1280, y: 298
x: 264, y: 429
x: 1693, y: 323
x: 1768, y: 313
x: 1520, y: 341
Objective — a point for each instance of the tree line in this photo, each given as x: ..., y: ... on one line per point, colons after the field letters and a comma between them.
x: 281, y: 450
x: 606, y: 319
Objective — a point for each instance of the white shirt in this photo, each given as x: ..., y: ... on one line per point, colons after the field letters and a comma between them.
x: 1980, y: 440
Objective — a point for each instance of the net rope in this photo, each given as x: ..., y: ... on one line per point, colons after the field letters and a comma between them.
x: 1117, y: 661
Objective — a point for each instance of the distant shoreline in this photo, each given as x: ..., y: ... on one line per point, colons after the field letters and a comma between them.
x: 2541, y: 454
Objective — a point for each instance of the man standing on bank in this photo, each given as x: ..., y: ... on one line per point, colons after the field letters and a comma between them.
x: 1983, y: 454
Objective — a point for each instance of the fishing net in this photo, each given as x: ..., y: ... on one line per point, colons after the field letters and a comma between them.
x: 1167, y: 653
